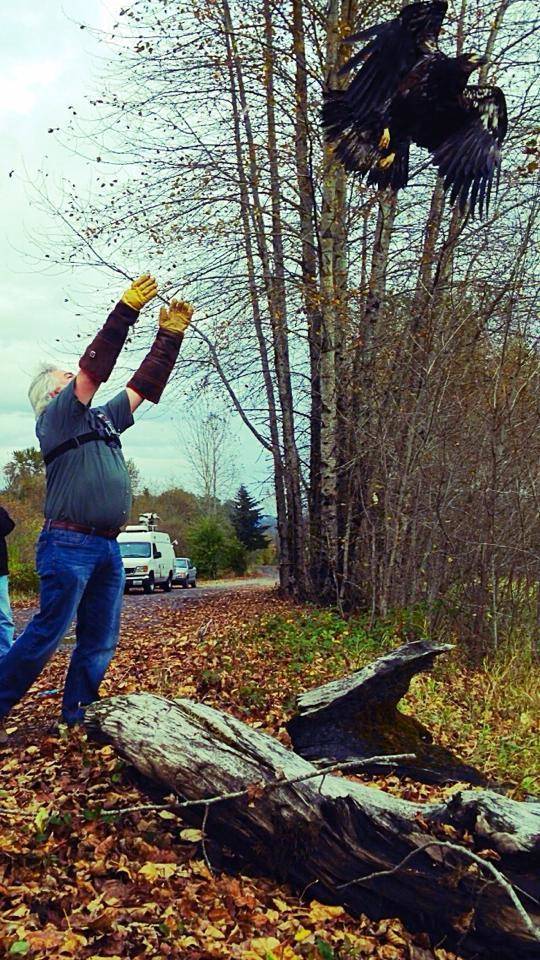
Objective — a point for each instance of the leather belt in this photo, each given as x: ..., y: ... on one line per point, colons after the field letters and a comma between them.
x: 81, y: 528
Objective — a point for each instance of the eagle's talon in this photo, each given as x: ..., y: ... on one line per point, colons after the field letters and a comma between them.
x: 387, y: 161
x: 385, y: 139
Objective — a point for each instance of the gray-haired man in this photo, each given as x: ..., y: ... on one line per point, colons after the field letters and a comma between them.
x: 88, y: 499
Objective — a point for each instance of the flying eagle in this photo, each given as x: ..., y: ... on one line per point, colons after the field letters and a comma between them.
x: 407, y: 91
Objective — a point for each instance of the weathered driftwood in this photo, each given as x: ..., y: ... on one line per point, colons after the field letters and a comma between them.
x: 357, y: 717
x: 328, y: 832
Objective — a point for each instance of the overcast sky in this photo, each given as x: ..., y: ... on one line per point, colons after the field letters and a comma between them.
x: 46, y: 64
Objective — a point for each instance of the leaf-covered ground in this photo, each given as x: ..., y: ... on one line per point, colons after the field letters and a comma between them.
x: 77, y: 880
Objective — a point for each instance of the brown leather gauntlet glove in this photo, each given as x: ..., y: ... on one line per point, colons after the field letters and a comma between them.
x: 100, y: 356
x: 151, y: 378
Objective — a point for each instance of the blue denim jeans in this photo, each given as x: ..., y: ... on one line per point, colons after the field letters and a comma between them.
x: 6, y: 620
x: 81, y: 575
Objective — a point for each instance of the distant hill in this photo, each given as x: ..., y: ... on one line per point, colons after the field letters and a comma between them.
x: 269, y: 522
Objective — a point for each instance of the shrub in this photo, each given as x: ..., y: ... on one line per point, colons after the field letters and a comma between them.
x: 23, y: 577
x: 215, y: 548
x: 206, y: 539
x: 235, y: 556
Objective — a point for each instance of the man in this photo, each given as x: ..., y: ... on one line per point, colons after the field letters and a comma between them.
x: 88, y: 499
x: 6, y: 619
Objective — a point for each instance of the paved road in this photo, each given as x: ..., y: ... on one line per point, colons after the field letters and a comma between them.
x: 177, y: 598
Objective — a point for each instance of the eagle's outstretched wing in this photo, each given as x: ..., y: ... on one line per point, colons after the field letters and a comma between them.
x: 393, y: 49
x: 470, y: 160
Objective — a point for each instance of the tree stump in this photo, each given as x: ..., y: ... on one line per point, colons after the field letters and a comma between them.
x: 327, y: 833
x: 357, y: 717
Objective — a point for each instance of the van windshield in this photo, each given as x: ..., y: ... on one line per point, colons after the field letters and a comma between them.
x: 134, y: 549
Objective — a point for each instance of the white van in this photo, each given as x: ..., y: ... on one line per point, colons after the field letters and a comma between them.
x: 148, y: 558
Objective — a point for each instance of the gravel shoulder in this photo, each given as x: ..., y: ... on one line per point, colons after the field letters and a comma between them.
x: 177, y: 598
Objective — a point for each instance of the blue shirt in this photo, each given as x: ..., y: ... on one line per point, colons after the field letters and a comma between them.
x: 89, y: 484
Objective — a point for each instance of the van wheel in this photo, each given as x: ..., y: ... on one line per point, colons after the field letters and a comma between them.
x: 150, y: 585
x: 167, y: 586
x: 194, y: 584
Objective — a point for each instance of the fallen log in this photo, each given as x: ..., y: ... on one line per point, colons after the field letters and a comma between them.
x: 347, y: 843
x: 357, y: 717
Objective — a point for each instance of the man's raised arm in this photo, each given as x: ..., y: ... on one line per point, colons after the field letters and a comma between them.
x: 99, y: 358
x: 149, y: 382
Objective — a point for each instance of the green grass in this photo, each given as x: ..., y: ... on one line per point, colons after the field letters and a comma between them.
x: 486, y: 713
x: 307, y: 635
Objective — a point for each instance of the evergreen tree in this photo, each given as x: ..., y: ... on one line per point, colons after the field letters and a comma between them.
x: 246, y: 520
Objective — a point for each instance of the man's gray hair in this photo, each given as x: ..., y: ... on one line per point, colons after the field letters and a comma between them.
x: 39, y: 391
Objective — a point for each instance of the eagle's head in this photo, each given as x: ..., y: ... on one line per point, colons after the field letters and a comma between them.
x: 469, y: 62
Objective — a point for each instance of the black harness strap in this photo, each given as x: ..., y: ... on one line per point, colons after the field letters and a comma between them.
x: 78, y: 442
